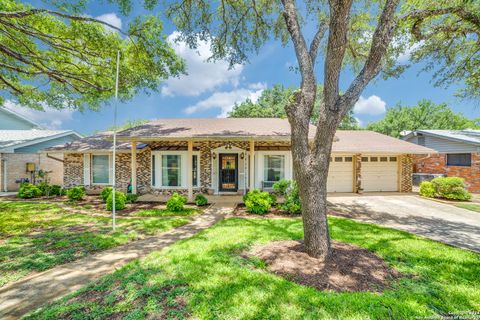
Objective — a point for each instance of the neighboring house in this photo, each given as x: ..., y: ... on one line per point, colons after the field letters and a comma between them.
x: 21, y: 141
x: 230, y: 155
x: 458, y: 154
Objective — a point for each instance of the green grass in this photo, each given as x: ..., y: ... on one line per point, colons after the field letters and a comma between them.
x: 166, y: 212
x: 218, y: 284
x: 36, y: 237
x: 468, y: 206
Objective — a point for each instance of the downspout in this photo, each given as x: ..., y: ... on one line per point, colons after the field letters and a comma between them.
x: 4, y: 175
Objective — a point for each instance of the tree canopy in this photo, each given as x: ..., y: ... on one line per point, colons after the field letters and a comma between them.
x: 424, y: 115
x: 64, y: 60
x: 272, y: 103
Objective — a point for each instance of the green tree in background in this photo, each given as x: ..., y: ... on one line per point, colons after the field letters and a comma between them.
x: 65, y: 60
x: 272, y: 103
x: 425, y: 115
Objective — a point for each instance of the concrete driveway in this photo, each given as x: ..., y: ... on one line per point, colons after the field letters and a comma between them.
x: 431, y: 219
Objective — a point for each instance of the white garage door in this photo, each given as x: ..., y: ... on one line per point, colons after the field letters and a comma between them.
x: 379, y: 173
x: 340, y: 174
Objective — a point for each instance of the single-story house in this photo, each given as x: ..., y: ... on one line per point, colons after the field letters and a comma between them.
x: 21, y: 141
x: 230, y: 155
x: 458, y: 154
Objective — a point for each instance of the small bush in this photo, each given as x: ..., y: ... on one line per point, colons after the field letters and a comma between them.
x: 56, y: 190
x: 105, y: 193
x: 427, y: 189
x: 120, y: 199
x: 201, y: 200
x: 452, y: 188
x: 176, y: 202
x: 29, y: 191
x: 45, y: 188
x: 281, y: 187
x: 257, y: 201
x: 76, y: 193
x: 292, y: 200
x: 132, y: 198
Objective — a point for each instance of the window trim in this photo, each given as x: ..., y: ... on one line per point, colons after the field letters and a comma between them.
x: 458, y: 165
x: 184, y: 174
x: 109, y: 169
x: 284, y: 165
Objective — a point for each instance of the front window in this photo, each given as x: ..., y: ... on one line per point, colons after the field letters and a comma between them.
x: 171, y: 171
x: 100, y: 169
x: 274, y: 167
x: 195, y: 170
x: 459, y: 159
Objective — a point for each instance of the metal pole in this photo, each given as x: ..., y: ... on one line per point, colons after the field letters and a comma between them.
x: 115, y: 141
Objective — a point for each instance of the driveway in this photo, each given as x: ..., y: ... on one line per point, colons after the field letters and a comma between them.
x: 431, y: 219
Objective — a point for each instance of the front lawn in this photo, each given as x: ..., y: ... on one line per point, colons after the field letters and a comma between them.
x: 166, y: 212
x: 469, y: 206
x: 36, y: 237
x: 206, y: 277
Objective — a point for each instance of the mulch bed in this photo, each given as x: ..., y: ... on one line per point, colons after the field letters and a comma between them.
x: 241, y: 211
x: 348, y: 269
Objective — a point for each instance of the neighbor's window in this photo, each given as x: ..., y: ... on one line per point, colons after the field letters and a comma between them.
x: 171, y: 170
x: 459, y: 159
x: 100, y: 169
x: 274, y: 167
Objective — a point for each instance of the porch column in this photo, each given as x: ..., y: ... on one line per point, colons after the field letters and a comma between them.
x: 251, y: 173
x: 190, y: 170
x: 134, y: 167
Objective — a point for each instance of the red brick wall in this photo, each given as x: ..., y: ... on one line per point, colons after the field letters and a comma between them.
x: 437, y: 164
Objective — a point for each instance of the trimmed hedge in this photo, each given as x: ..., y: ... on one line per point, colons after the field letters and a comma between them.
x: 201, y: 200
x: 427, y: 189
x: 105, y: 193
x: 258, y: 202
x: 120, y: 199
x: 76, y: 193
x: 29, y: 191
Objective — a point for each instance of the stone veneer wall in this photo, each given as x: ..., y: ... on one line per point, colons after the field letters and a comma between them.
x: 406, y: 171
x: 437, y: 164
x: 72, y: 169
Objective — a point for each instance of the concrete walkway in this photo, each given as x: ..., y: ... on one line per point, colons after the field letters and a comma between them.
x: 435, y: 220
x: 28, y: 294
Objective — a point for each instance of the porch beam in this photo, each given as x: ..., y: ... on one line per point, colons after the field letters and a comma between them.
x: 190, y: 169
x: 134, y: 167
x: 251, y: 173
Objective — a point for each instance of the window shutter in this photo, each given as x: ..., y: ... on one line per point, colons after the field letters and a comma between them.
x: 86, y: 169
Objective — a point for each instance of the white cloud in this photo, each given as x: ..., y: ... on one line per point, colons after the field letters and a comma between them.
x: 404, y: 57
x: 372, y: 105
x: 226, y: 100
x: 202, y: 76
x: 111, y: 18
x: 49, y: 118
x: 359, y: 121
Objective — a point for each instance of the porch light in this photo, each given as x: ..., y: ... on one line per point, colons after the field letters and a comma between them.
x: 214, y: 155
x: 242, y: 155
x: 228, y: 146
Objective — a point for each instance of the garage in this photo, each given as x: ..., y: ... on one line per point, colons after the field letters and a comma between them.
x: 379, y: 173
x: 340, y: 174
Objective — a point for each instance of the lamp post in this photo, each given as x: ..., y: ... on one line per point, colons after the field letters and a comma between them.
x: 115, y: 142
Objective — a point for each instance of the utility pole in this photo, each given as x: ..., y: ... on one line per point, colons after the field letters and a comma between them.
x: 115, y: 142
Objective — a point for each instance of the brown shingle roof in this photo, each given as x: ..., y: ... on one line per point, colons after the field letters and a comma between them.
x: 362, y: 141
x: 222, y: 128
x: 97, y: 142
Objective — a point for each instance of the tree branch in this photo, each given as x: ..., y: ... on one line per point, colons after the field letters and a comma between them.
x: 317, y: 39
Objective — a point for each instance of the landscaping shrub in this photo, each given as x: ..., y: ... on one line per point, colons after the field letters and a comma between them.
x: 257, y: 201
x: 292, y: 200
x: 56, y: 190
x: 120, y: 199
x: 281, y: 187
x: 427, y: 189
x: 28, y: 191
x: 45, y: 188
x: 132, y: 198
x: 201, y: 200
x: 76, y: 193
x: 452, y: 188
x: 105, y: 193
x: 176, y: 202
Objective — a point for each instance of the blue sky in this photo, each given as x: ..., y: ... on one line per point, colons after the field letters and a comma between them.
x: 211, y: 89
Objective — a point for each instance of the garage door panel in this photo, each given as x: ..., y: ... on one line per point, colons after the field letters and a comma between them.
x: 340, y: 176
x: 380, y: 175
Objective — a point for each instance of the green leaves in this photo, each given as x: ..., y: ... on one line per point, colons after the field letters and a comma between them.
x: 68, y: 61
x: 425, y: 115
